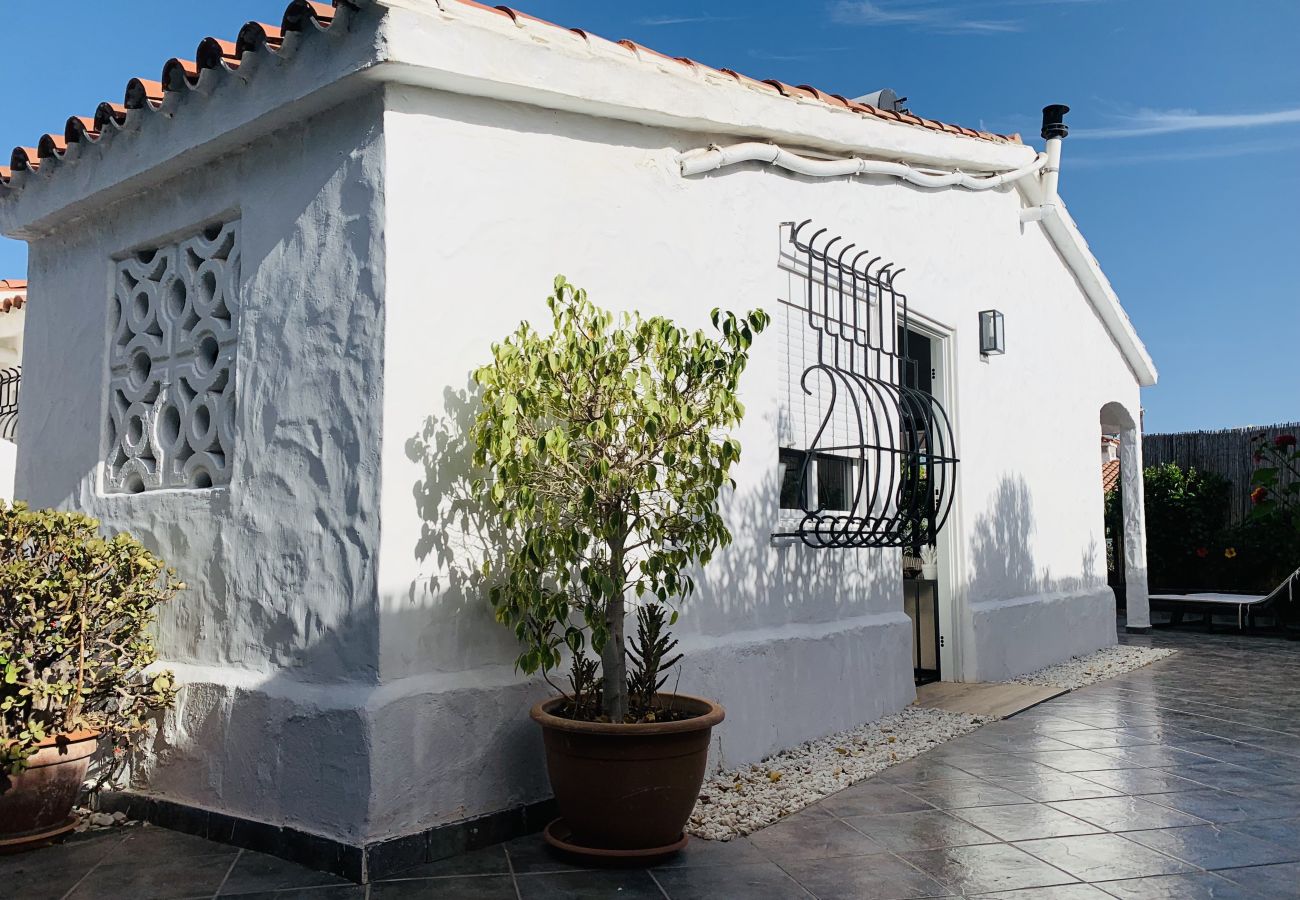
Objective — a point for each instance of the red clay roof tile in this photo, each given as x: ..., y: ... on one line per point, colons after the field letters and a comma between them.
x: 13, y: 294
x: 256, y: 36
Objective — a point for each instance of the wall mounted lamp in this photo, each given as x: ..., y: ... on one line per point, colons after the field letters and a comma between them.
x: 993, y: 335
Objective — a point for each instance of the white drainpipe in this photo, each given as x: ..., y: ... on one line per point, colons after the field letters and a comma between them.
x: 1054, y: 132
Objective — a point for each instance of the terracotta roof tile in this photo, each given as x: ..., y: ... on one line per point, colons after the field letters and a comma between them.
x: 1109, y: 475
x: 257, y: 37
x: 13, y: 294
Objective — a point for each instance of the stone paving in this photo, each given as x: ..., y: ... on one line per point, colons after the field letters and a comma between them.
x: 1180, y: 780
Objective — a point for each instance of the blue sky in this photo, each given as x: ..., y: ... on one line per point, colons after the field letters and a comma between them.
x: 1182, y: 166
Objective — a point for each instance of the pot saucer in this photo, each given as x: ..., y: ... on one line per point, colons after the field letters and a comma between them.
x: 32, y: 840
x: 560, y: 836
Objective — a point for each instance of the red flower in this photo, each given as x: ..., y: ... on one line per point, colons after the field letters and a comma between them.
x: 1284, y: 440
x: 1202, y: 552
x: 1258, y: 457
x: 1258, y: 494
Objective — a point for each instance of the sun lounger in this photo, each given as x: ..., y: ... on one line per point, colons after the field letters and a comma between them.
x: 1248, y: 607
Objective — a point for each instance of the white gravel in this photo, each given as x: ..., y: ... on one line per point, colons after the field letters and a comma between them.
x: 1085, y: 670
x: 738, y: 802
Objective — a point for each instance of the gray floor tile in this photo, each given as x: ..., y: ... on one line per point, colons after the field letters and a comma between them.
x: 532, y: 854
x: 1020, y: 743
x: 985, y: 868
x: 151, y: 842
x: 1268, y: 881
x: 1202, y: 886
x: 1024, y: 822
x: 1078, y: 760
x: 930, y: 830
x: 759, y: 881
x: 817, y: 839
x: 1211, y: 847
x: 155, y: 877
x: 1103, y: 857
x: 254, y: 872
x: 1150, y: 756
x: 870, y: 798
x: 1222, y: 806
x: 50, y: 872
x: 488, y: 861
x: 699, y: 852
x: 1054, y: 786
x: 466, y: 887
x: 1056, y: 892
x: 1125, y: 813
x: 1143, y: 781
x: 345, y: 892
x: 877, y: 877
x: 636, y: 884
x: 955, y: 795
x: 1280, y: 831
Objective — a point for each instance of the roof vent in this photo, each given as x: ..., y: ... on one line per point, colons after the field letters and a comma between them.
x: 883, y: 99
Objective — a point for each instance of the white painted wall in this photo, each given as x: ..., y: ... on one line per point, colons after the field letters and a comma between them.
x: 507, y: 196
x: 277, y: 632
x: 344, y: 676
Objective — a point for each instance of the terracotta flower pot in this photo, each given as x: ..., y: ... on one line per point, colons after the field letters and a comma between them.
x: 626, y: 790
x: 36, y: 805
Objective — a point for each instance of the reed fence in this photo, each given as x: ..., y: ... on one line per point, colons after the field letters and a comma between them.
x: 1227, y: 453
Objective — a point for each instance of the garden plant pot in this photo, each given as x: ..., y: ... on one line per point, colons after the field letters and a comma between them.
x: 626, y: 791
x: 36, y: 805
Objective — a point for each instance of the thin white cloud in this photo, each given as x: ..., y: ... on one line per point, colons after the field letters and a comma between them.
x: 1149, y: 122
x: 1221, y: 151
x: 658, y: 21
x: 944, y: 19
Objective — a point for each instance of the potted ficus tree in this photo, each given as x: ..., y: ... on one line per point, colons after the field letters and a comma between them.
x: 604, y: 448
x: 76, y: 652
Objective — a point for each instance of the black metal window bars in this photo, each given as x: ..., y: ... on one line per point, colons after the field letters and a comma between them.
x: 892, y: 440
x: 10, y: 380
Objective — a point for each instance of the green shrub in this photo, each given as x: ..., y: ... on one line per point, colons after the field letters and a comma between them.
x: 76, y: 612
x: 1187, y: 518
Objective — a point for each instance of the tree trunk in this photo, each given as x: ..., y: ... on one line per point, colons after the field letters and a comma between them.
x: 613, y: 656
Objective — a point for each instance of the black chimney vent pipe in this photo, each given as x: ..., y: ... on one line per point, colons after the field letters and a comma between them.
x: 1054, y: 121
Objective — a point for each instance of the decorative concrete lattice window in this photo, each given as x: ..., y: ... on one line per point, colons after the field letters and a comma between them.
x: 172, y: 364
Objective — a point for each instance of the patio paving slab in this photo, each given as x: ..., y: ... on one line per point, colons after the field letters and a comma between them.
x: 986, y: 868
x: 927, y: 830
x: 1125, y: 813
x: 1024, y: 822
x: 1203, y: 886
x: 1211, y: 847
x: 1013, y: 811
x: 1103, y: 857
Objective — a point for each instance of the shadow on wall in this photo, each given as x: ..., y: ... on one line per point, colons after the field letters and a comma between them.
x: 749, y: 584
x: 1002, y: 554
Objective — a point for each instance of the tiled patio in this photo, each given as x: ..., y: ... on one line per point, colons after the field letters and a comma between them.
x: 1180, y: 780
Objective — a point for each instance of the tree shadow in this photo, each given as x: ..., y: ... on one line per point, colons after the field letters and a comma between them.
x: 1002, y: 554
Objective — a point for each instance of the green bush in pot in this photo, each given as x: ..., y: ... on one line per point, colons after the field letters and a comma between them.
x: 604, y: 449
x: 76, y: 648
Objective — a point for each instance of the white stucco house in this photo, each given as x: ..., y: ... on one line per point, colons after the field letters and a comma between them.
x: 260, y: 286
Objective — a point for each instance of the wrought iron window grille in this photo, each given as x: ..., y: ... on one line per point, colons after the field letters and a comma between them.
x: 880, y: 469
x: 10, y: 381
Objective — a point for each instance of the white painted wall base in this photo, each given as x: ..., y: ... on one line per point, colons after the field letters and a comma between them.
x: 361, y: 763
x: 1024, y: 634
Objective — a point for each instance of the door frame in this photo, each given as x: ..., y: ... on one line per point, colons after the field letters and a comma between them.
x: 952, y: 599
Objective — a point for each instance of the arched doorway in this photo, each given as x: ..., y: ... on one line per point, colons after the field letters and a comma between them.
x: 1117, y: 420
